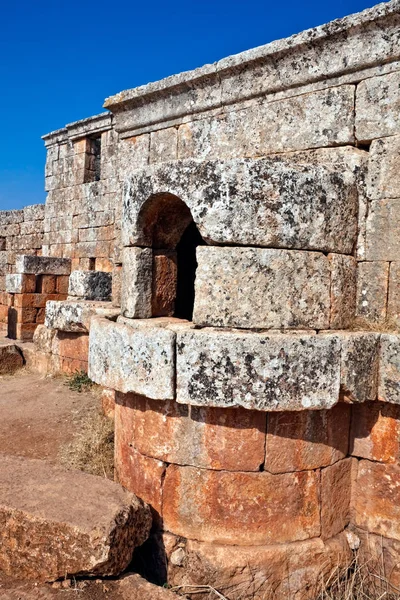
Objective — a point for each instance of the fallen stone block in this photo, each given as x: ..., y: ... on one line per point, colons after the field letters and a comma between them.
x: 129, y: 359
x: 76, y: 315
x: 42, y: 265
x: 90, y: 285
x: 10, y: 359
x: 57, y: 523
x: 258, y: 371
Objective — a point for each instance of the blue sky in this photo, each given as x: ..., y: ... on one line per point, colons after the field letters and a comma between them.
x: 62, y: 58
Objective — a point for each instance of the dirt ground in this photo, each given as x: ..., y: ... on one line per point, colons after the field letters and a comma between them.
x: 39, y: 415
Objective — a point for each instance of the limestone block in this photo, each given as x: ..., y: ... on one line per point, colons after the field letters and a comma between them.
x: 343, y: 290
x: 377, y: 107
x: 271, y: 372
x: 359, y: 365
x: 211, y: 438
x: 377, y: 499
x: 375, y: 432
x: 164, y: 283
x: 90, y: 285
x: 163, y: 145
x: 57, y: 522
x: 93, y: 219
x: 7, y: 217
x: 261, y: 288
x: 336, y: 486
x: 35, y: 212
x: 76, y: 316
x: 267, y: 202
x: 306, y: 440
x: 384, y: 168
x: 393, y: 306
x: 133, y: 153
x: 382, y: 231
x: 137, y: 265
x: 42, y: 265
x: 372, y: 286
x: 389, y: 368
x: 278, y: 126
x: 240, y: 508
x: 20, y: 283
x: 133, y: 360
x: 43, y: 338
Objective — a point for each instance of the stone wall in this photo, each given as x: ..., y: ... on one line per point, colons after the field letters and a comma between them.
x: 247, y: 212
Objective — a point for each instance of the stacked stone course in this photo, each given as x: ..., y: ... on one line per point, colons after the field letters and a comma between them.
x: 248, y: 215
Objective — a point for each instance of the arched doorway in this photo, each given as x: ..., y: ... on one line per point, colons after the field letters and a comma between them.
x: 169, y: 229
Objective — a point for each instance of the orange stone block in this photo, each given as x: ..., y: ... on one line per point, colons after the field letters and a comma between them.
x: 376, y: 498
x: 104, y: 264
x: 309, y: 439
x: 375, y: 431
x: 230, y: 439
x: 47, y: 284
x: 71, y: 345
x: 26, y: 315
x: 62, y: 284
x: 336, y: 487
x: 165, y: 276
x: 108, y: 403
x: 225, y: 507
x: 25, y: 331
x: 139, y: 474
x: 3, y: 313
x: 69, y: 366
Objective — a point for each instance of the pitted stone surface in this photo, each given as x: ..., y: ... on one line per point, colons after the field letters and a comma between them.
x: 384, y: 173
x: 137, y: 268
x: 257, y: 370
x: 265, y: 202
x: 389, y: 368
x: 377, y: 107
x: 133, y: 360
x: 42, y: 265
x: 262, y: 288
x: 90, y: 285
x: 56, y: 522
x: 76, y: 316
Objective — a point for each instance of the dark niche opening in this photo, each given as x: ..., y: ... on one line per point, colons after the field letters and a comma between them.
x: 187, y: 265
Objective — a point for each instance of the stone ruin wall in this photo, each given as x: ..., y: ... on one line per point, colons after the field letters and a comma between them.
x: 265, y: 432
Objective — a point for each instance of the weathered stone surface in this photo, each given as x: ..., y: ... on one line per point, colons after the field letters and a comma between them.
x: 34, y: 212
x: 42, y: 265
x: 377, y: 107
x: 10, y: 358
x: 56, y: 523
x: 262, y: 288
x: 359, y: 364
x: 375, y: 432
x: 389, y: 368
x: 133, y: 360
x: 137, y: 266
x: 76, y: 316
x: 164, y: 286
x: 134, y: 587
x: 383, y: 169
x: 211, y: 438
x: 382, y: 230
x: 43, y: 338
x: 271, y: 202
x: 377, y: 498
x: 270, y: 372
x: 241, y: 508
x: 372, y: 290
x: 90, y: 285
x: 163, y: 145
x: 21, y: 284
x: 278, y: 571
x: 393, y: 302
x: 278, y: 126
x: 336, y: 486
x: 306, y: 440
x: 343, y: 290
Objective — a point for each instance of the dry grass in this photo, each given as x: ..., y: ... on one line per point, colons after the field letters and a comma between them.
x: 92, y: 449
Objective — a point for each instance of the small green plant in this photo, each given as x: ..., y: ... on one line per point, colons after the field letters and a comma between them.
x: 80, y: 382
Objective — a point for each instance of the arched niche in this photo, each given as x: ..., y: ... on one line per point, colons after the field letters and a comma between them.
x: 168, y: 227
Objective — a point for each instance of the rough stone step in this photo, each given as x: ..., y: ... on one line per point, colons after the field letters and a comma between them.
x: 10, y: 357
x: 57, y: 523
